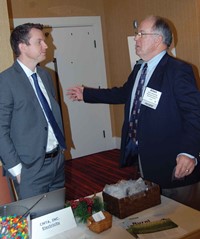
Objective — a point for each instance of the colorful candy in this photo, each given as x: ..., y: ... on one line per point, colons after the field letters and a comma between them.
x: 13, y: 227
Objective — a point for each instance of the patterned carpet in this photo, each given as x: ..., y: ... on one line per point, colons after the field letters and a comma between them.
x: 88, y: 175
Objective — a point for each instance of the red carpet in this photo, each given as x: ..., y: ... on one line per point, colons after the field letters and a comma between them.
x: 89, y: 174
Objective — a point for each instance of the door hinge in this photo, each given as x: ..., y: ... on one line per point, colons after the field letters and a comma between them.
x: 95, y: 44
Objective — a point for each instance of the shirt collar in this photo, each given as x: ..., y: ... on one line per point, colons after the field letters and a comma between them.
x: 27, y: 71
x: 155, y: 60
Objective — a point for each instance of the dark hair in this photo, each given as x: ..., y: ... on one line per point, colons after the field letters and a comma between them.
x: 21, y: 35
x: 161, y: 26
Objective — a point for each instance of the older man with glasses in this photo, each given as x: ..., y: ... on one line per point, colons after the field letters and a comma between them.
x: 162, y: 110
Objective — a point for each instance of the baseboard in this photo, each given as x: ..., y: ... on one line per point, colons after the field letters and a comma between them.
x: 117, y: 142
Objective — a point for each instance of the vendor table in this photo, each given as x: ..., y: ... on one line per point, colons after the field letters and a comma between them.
x: 185, y: 217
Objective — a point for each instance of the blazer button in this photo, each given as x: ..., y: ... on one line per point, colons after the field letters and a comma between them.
x: 45, y: 128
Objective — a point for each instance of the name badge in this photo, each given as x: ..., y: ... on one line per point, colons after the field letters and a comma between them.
x: 151, y: 98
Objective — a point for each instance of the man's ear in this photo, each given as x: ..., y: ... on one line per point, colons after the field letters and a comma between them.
x: 159, y: 39
x: 22, y: 47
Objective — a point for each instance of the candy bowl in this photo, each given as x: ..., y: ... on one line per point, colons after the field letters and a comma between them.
x: 14, y: 222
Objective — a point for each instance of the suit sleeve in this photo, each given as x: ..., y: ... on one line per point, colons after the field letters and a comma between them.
x: 115, y: 95
x: 188, y: 100
x: 8, y: 154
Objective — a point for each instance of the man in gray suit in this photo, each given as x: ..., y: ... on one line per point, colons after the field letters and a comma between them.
x: 30, y: 149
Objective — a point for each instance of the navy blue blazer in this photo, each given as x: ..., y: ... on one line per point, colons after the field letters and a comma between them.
x: 172, y: 128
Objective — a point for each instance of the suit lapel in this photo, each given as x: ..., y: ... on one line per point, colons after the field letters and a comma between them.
x: 156, y: 80
x: 21, y: 76
x: 47, y: 86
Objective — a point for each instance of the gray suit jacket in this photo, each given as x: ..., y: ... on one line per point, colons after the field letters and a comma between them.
x: 23, y: 127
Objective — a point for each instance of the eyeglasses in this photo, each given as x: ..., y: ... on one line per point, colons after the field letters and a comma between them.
x: 141, y: 34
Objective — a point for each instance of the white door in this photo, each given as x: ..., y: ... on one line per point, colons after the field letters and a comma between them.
x: 78, y: 64
x: 78, y: 53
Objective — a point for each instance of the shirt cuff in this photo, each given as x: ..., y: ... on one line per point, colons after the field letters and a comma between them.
x: 15, y: 170
x: 190, y: 156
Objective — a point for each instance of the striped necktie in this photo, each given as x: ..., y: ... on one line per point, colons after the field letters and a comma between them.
x: 136, y: 104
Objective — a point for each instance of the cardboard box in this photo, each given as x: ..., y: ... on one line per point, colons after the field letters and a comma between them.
x: 127, y: 206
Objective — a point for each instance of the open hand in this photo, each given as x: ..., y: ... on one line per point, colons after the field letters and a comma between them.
x: 75, y: 93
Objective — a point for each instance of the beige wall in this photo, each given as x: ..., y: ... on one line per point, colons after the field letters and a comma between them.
x: 6, y: 58
x: 117, y: 17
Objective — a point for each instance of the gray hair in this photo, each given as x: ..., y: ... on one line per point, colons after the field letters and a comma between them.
x: 162, y: 27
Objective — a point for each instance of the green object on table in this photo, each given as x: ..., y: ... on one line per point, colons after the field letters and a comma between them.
x: 150, y: 227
